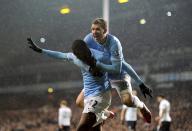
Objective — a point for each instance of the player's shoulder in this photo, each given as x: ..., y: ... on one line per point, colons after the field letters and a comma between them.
x: 113, y: 40
x: 164, y: 103
x: 88, y: 37
x: 89, y: 40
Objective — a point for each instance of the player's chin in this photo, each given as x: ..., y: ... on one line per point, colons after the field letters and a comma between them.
x: 97, y: 39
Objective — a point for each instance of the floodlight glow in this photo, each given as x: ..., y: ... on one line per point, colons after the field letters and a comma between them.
x: 65, y: 10
x: 169, y: 13
x: 123, y: 1
x: 142, y: 21
x: 50, y: 90
x: 42, y: 40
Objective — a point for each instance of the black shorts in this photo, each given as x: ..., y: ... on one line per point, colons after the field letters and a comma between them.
x: 165, y: 126
x: 64, y: 128
x: 131, y: 125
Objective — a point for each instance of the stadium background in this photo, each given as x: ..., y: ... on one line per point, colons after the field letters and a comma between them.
x: 159, y: 50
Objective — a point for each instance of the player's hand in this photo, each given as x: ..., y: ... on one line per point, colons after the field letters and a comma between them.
x: 95, y: 71
x: 33, y: 46
x: 145, y: 90
x: 157, y: 120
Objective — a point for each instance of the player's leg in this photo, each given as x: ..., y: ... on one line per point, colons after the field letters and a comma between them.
x: 124, y: 90
x: 86, y: 122
x: 92, y: 111
x: 80, y: 103
x: 165, y: 126
x: 80, y: 99
x: 131, y: 125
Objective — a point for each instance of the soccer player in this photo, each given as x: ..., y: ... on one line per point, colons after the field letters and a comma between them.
x: 64, y: 116
x: 97, y: 88
x: 164, y: 119
x: 110, y: 47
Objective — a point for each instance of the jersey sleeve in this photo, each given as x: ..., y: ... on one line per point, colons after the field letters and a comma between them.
x: 116, y: 58
x: 58, y: 55
x: 128, y: 68
x: 116, y: 50
x: 68, y: 57
x: 86, y: 38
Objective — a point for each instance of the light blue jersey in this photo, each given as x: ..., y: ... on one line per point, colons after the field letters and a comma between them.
x: 111, y: 58
x: 93, y: 86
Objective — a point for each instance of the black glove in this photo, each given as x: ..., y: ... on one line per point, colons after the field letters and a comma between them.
x: 145, y: 90
x: 33, y: 46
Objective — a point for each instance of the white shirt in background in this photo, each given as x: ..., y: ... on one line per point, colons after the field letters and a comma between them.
x: 130, y: 114
x: 64, y: 116
x: 165, y: 105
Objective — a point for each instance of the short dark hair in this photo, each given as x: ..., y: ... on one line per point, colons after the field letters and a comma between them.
x: 82, y: 52
x: 161, y: 95
x: 63, y: 102
x: 101, y: 22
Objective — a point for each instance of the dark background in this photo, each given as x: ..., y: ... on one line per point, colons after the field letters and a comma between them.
x: 160, y: 51
x: 163, y: 44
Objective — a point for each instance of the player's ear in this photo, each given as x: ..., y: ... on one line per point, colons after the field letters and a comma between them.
x: 105, y: 30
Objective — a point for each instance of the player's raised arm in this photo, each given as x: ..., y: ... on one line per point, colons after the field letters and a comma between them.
x: 144, y: 88
x: 54, y: 54
x: 128, y: 68
x: 81, y: 56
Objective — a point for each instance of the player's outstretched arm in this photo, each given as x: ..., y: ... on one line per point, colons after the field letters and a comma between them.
x: 132, y: 73
x: 114, y: 67
x: 50, y: 53
x: 144, y: 88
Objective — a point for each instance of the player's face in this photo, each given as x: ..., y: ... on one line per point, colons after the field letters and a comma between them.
x: 98, y: 32
x: 158, y: 99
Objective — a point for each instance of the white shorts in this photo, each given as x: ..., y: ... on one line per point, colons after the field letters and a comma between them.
x: 97, y: 104
x: 122, y: 85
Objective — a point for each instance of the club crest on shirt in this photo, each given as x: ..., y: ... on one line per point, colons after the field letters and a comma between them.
x: 116, y: 53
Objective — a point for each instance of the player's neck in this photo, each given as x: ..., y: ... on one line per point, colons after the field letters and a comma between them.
x: 103, y: 41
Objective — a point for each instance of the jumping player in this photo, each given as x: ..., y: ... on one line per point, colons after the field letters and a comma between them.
x: 109, y: 46
x: 97, y: 88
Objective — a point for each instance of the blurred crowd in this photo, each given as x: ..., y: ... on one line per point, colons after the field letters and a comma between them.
x: 45, y: 118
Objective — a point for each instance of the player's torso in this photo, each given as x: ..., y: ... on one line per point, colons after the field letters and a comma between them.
x: 166, y: 114
x: 95, y: 85
x: 103, y: 53
x: 131, y: 114
x: 65, y: 115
